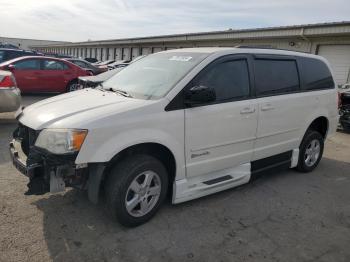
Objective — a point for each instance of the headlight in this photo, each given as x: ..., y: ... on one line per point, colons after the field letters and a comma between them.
x: 61, y: 141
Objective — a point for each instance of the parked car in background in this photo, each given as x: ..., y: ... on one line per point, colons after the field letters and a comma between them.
x: 104, y: 64
x: 10, y: 95
x: 44, y: 74
x: 8, y: 54
x: 344, y: 107
x: 91, y: 60
x: 189, y: 122
x: 87, y: 66
x: 118, y: 64
x: 8, y: 45
x: 57, y: 55
x: 123, y: 63
x: 94, y: 81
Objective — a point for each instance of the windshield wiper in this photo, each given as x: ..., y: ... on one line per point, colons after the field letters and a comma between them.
x: 120, y: 92
x: 100, y: 87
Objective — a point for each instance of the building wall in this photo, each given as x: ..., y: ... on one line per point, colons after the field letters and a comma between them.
x: 128, y: 51
x: 27, y: 43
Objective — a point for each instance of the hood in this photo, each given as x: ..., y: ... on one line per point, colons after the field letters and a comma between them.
x: 76, y: 109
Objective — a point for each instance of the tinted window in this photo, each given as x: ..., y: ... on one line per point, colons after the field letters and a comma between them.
x: 81, y: 64
x: 54, y: 65
x: 275, y: 76
x: 229, y: 79
x: 28, y: 64
x: 14, y: 54
x: 316, y: 74
x: 2, y: 56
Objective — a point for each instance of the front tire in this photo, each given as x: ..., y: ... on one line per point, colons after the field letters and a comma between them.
x: 72, y: 86
x: 310, y: 151
x: 135, y: 189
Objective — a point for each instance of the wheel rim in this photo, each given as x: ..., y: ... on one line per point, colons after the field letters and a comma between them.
x: 73, y: 87
x: 312, y: 152
x: 143, y: 194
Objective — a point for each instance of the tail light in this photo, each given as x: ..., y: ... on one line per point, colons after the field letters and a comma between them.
x: 7, y: 82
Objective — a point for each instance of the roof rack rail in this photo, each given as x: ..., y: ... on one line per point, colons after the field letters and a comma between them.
x: 268, y: 47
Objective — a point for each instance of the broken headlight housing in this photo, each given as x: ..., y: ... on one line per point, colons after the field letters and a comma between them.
x: 61, y: 141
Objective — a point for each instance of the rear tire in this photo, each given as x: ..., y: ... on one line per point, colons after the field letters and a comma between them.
x: 310, y: 151
x: 135, y: 189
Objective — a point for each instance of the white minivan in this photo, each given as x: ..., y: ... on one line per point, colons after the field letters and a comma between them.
x: 184, y: 123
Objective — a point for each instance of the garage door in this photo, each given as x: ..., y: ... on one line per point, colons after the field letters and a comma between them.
x: 146, y: 50
x: 126, y: 53
x: 135, y: 51
x: 118, y: 54
x: 339, y: 58
x: 157, y: 49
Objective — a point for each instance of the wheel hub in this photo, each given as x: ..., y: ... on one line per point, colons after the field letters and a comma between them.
x: 143, y: 194
x: 312, y: 153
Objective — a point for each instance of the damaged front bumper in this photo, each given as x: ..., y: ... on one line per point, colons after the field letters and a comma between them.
x: 47, y: 172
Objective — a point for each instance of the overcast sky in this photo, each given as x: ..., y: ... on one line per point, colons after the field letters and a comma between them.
x: 80, y: 20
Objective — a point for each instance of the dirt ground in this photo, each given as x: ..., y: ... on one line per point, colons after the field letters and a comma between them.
x: 285, y: 216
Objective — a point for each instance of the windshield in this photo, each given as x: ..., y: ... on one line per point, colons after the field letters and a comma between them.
x: 155, y: 75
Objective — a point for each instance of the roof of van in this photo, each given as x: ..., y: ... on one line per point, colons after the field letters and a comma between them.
x: 239, y: 50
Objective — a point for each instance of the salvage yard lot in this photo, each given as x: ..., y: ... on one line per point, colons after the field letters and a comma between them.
x: 285, y: 216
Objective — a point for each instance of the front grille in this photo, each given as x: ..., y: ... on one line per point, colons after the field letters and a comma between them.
x: 27, y: 136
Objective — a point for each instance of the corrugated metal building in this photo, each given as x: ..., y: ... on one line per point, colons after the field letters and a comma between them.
x: 331, y: 40
x: 26, y: 43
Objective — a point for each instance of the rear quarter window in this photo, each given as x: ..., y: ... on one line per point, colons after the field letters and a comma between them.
x: 316, y: 74
x: 54, y: 65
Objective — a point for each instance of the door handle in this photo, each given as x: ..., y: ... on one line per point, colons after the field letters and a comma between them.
x: 248, y: 110
x: 267, y: 107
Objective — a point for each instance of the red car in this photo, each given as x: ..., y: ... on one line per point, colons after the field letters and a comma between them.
x: 35, y: 74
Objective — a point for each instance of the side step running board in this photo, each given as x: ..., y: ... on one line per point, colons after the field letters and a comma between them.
x: 217, y: 180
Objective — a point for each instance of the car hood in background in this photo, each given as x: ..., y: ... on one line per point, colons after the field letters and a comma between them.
x: 101, y: 77
x: 76, y: 109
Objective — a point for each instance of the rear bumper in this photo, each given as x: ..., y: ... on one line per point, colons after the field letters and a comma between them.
x: 10, y: 99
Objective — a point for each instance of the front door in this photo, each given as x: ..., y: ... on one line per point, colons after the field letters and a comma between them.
x: 27, y: 74
x: 221, y: 135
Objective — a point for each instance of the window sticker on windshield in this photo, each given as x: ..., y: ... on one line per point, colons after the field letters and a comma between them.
x: 180, y: 58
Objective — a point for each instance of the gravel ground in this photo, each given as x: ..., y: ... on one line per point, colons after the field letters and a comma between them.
x: 285, y: 216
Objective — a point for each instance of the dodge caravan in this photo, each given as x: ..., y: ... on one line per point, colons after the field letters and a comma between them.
x: 185, y: 123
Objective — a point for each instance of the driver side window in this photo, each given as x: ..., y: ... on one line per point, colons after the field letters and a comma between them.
x: 230, y: 79
x: 27, y: 64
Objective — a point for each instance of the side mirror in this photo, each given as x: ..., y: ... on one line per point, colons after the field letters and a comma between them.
x: 199, y: 95
x: 11, y: 67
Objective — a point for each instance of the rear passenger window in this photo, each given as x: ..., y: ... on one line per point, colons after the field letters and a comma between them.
x: 273, y: 77
x: 316, y: 74
x: 54, y: 65
x: 229, y: 79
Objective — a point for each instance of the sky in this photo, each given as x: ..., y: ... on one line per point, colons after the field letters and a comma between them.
x: 82, y: 20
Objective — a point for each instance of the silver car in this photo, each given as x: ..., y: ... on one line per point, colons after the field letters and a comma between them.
x: 10, y: 95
